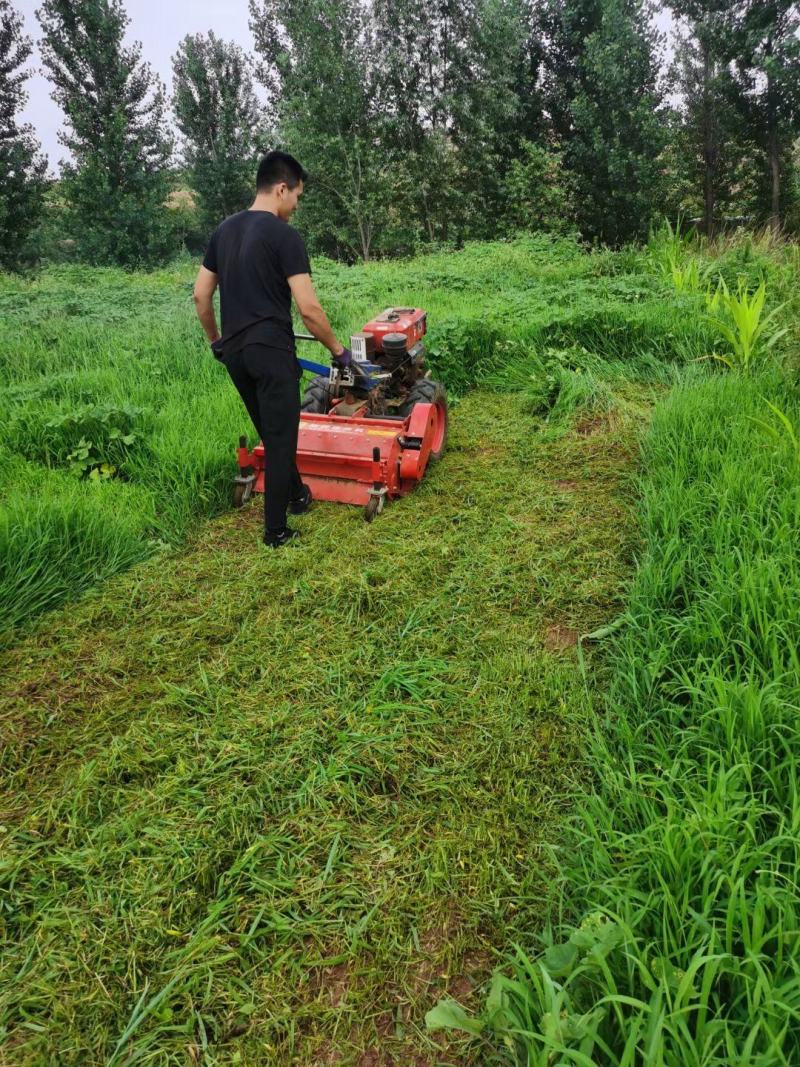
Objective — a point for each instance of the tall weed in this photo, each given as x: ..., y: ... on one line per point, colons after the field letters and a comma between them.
x: 62, y: 542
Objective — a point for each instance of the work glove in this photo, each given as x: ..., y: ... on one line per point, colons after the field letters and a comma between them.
x: 216, y: 348
x: 344, y: 359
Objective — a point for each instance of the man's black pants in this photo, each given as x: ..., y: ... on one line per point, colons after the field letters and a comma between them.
x: 268, y: 383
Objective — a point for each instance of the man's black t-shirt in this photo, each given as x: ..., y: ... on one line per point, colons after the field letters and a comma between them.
x: 253, y: 253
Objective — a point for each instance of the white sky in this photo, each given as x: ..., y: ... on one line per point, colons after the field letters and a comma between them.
x: 160, y: 25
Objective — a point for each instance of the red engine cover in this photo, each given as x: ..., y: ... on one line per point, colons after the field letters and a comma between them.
x: 410, y: 321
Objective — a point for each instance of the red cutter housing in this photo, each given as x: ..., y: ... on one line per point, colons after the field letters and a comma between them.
x: 348, y: 459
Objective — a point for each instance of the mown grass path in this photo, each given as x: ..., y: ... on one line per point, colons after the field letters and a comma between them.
x: 266, y: 808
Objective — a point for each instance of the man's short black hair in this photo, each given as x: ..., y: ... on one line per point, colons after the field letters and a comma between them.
x: 277, y: 167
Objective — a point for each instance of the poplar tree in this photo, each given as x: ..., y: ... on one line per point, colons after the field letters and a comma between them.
x: 22, y: 167
x: 600, y: 87
x: 710, y: 142
x: 767, y: 63
x: 503, y: 121
x: 318, y: 67
x: 564, y: 27
x: 116, y: 183
x: 617, y: 134
x: 217, y: 112
x: 461, y: 97
x: 423, y: 89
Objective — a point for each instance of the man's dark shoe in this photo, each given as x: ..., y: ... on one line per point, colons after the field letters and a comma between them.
x: 303, y: 503
x: 283, y: 537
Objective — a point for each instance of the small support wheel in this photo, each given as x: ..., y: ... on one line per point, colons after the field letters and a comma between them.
x: 242, y: 491
x: 373, y: 507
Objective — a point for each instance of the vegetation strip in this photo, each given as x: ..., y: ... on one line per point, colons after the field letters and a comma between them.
x: 193, y: 831
x: 679, y: 938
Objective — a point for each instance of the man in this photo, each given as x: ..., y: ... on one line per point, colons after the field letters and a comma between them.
x: 260, y: 263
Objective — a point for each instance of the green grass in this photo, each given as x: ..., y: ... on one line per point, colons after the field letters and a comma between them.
x: 676, y: 937
x: 271, y: 808
x: 268, y: 807
x: 108, y: 372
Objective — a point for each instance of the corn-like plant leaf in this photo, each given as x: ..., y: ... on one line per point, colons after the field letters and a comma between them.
x: 449, y: 1015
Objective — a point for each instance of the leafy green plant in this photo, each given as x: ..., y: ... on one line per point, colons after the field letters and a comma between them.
x: 675, y: 258
x: 740, y: 320
x: 537, y: 1011
x: 104, y: 435
x: 688, y: 276
x: 714, y: 297
x: 85, y: 460
x: 666, y: 245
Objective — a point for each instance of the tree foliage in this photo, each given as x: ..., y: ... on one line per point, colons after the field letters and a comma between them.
x: 538, y: 193
x: 767, y: 69
x: 116, y: 184
x: 710, y: 135
x: 617, y: 132
x: 22, y: 166
x: 407, y: 115
x: 217, y: 113
x: 424, y: 124
x: 317, y: 63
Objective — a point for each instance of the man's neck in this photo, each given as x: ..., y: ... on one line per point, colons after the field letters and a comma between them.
x: 264, y: 202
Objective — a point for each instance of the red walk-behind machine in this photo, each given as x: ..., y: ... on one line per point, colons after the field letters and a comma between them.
x: 367, y: 431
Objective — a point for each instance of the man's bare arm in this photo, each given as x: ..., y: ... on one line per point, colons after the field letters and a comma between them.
x: 204, y: 289
x: 312, y: 314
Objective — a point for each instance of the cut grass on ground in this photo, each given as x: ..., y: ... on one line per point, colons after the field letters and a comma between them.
x: 266, y: 808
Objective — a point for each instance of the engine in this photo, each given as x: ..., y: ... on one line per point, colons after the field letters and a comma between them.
x: 393, y: 342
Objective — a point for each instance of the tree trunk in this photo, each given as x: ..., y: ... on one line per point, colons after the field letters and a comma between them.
x: 774, y: 149
x: 775, y: 168
x: 365, y: 233
x: 708, y: 147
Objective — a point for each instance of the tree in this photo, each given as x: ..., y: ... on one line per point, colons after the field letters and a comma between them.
x: 617, y: 134
x: 422, y: 87
x: 459, y: 95
x: 768, y: 69
x: 501, y: 110
x: 117, y: 183
x: 217, y: 112
x: 317, y: 63
x: 702, y: 75
x: 22, y: 167
x: 564, y: 27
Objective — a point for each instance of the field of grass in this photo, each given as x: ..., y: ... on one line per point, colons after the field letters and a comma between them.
x: 108, y: 375
x: 269, y: 808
